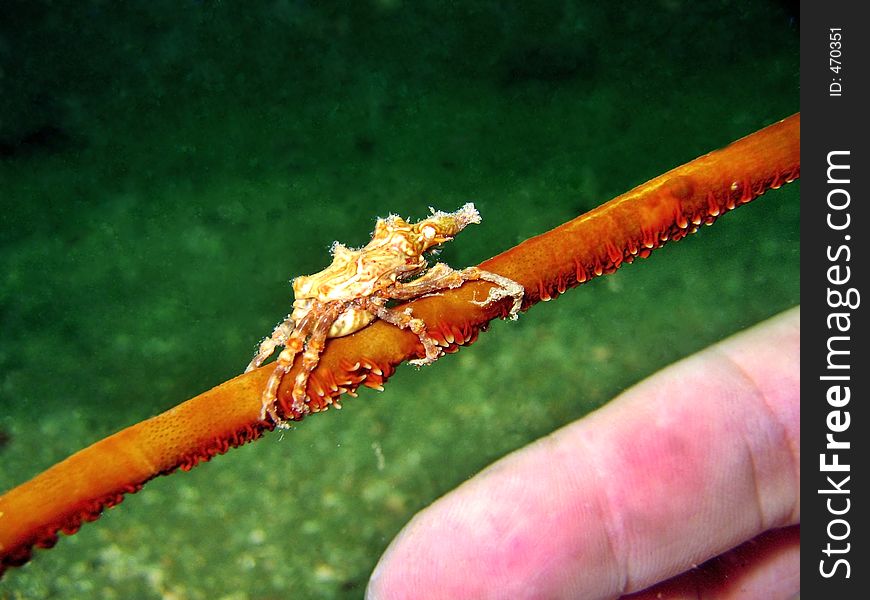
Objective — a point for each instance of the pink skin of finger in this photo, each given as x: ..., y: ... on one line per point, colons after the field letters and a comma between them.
x: 679, y: 469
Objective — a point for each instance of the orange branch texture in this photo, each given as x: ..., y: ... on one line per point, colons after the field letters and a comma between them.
x: 666, y: 208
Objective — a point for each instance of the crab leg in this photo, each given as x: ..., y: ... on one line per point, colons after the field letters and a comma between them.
x: 441, y: 277
x: 310, y: 358
x: 279, y: 337
x: 404, y: 319
x: 293, y: 346
x: 504, y: 288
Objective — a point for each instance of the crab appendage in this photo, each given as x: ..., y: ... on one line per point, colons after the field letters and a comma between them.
x: 293, y: 345
x: 441, y: 277
x: 309, y: 339
x: 404, y: 319
x: 270, y: 392
x: 267, y: 347
x: 310, y: 357
x: 504, y: 288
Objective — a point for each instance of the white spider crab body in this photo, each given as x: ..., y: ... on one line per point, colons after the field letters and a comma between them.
x: 354, y: 290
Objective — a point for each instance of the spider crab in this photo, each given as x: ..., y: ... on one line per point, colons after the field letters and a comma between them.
x: 357, y: 288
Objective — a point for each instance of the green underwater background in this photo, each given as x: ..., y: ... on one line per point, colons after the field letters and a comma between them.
x: 167, y: 166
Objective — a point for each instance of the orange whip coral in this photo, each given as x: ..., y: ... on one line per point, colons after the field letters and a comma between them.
x: 665, y: 208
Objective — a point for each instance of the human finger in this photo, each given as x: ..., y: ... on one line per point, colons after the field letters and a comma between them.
x: 682, y: 467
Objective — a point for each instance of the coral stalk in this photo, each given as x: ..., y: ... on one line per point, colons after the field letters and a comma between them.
x: 666, y: 208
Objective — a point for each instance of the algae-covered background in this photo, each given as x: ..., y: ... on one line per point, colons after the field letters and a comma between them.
x: 167, y: 166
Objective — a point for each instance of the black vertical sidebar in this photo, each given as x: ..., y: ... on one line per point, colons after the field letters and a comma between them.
x: 835, y: 231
